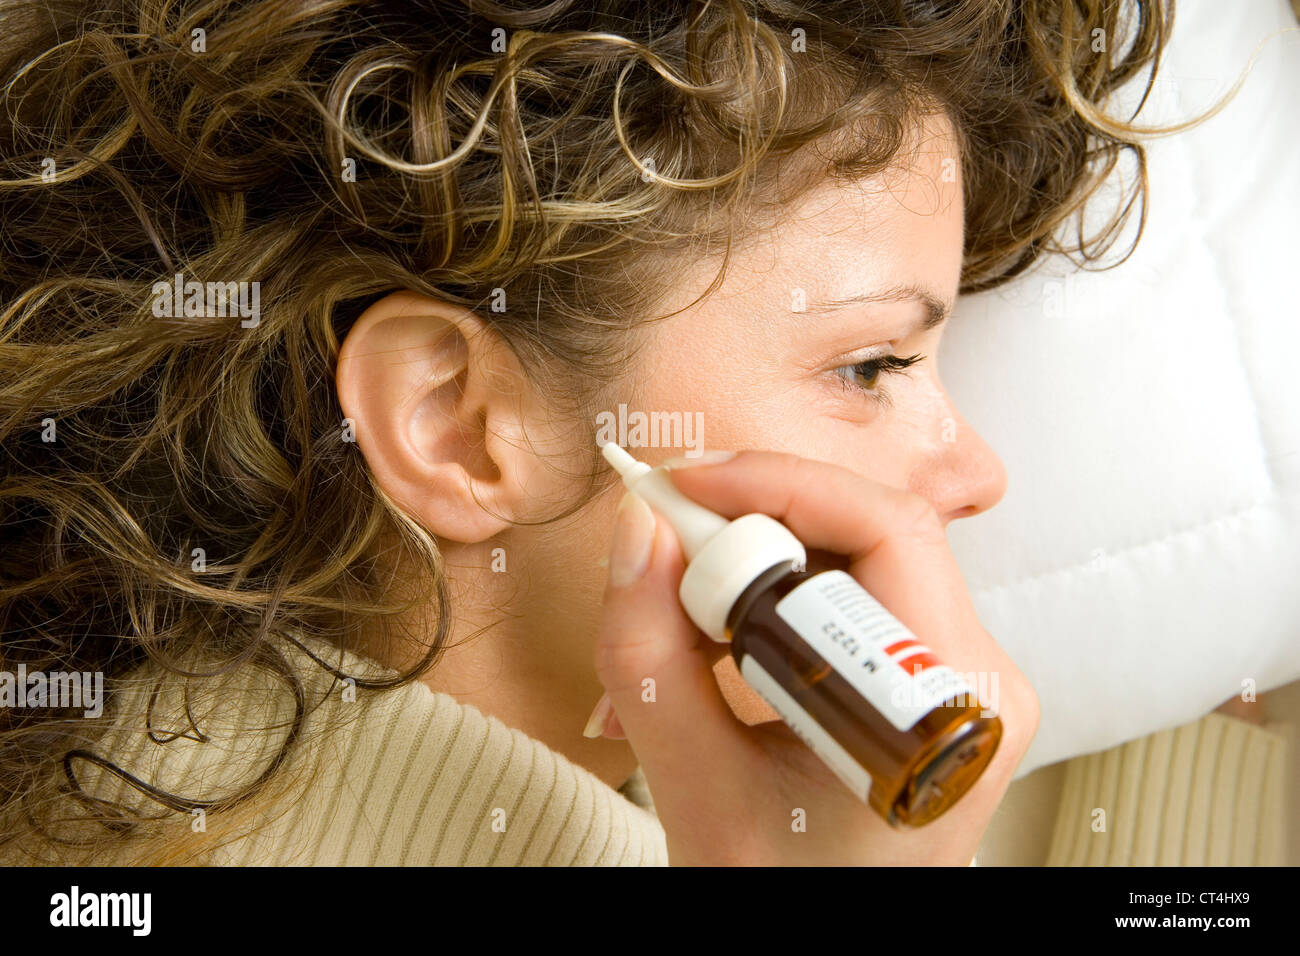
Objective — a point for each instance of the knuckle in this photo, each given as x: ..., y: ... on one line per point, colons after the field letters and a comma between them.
x: 1022, y: 727
x: 917, y: 516
x: 797, y: 474
x: 622, y: 662
x: 614, y: 662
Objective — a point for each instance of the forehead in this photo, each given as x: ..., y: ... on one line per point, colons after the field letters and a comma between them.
x: 841, y: 238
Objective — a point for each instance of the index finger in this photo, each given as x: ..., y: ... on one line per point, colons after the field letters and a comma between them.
x: 826, y: 506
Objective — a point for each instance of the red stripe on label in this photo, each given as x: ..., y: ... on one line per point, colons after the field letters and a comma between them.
x: 914, y: 665
x: 907, y: 642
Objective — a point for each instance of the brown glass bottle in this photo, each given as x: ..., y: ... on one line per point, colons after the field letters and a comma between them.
x: 915, y: 775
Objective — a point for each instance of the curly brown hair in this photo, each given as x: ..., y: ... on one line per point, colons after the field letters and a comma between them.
x: 335, y: 150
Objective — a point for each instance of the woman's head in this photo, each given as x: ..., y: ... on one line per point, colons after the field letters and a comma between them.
x: 474, y: 229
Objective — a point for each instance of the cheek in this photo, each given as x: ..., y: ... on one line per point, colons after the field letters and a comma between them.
x: 712, y: 374
x: 747, y: 398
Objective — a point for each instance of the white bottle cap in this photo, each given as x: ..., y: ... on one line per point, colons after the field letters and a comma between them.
x: 723, y: 557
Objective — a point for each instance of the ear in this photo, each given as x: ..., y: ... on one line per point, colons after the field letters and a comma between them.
x: 437, y: 398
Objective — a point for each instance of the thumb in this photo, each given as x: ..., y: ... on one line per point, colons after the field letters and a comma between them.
x: 656, y: 666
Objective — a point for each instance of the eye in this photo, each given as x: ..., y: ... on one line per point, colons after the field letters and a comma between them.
x: 863, y: 376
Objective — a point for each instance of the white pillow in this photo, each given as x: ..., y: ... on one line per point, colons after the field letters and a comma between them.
x: 1146, y: 558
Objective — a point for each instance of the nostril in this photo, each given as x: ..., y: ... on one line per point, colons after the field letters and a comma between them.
x: 965, y: 512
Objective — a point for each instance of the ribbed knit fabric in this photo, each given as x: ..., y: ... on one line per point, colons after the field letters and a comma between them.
x: 415, y: 778
x: 1208, y: 793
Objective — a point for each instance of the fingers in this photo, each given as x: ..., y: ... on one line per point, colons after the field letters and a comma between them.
x: 1250, y: 711
x: 656, y: 666
x: 825, y: 505
x: 894, y: 537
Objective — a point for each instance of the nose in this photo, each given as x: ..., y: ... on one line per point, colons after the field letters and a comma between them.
x: 963, y: 476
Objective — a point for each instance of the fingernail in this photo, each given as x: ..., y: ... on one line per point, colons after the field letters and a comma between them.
x: 596, y: 722
x: 711, y: 457
x: 613, y: 729
x: 634, y: 529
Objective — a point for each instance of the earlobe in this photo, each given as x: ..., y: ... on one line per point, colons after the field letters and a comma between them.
x: 419, y: 378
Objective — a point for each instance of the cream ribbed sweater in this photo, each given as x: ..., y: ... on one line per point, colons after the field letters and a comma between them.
x: 418, y: 778
x: 1208, y: 793
x: 415, y: 778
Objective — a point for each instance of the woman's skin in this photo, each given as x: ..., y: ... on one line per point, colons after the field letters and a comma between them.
x: 454, y: 432
x: 441, y: 408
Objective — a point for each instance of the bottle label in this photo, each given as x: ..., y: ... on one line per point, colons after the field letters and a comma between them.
x: 870, y: 648
x: 810, y: 732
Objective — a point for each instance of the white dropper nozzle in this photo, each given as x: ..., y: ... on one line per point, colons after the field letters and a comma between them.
x: 722, y: 557
x: 695, y: 524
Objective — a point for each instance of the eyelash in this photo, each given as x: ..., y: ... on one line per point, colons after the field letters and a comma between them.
x: 889, y: 364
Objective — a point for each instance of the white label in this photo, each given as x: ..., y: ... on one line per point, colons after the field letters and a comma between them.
x: 810, y: 732
x: 870, y: 648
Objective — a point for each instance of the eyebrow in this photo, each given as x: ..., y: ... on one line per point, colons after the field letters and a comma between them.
x: 937, y: 310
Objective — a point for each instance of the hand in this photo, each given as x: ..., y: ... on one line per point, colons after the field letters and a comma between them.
x: 725, y: 792
x: 1251, y: 711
